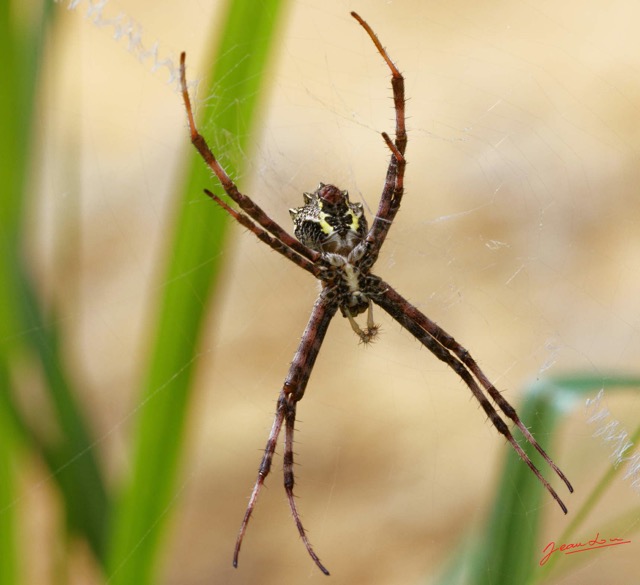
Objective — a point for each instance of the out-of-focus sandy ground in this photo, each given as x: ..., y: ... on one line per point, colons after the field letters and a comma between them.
x: 518, y: 234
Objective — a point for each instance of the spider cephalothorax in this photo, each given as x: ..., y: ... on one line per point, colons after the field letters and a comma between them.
x: 328, y: 221
x: 348, y: 283
x: 336, y: 246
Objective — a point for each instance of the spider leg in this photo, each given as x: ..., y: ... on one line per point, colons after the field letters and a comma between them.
x: 254, y: 211
x: 445, y: 348
x: 292, y: 392
x: 265, y: 237
x: 265, y: 468
x: 290, y: 420
x: 442, y: 337
x: 394, y: 182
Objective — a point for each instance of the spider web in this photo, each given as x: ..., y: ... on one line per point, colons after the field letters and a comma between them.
x: 518, y: 235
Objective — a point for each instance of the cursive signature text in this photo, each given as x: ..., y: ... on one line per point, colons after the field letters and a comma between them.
x: 576, y: 547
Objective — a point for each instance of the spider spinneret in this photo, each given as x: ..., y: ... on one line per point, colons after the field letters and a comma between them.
x: 336, y: 245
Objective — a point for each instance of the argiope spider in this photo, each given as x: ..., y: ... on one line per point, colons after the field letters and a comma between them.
x: 336, y: 246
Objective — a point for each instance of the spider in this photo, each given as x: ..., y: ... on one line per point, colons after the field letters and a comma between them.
x: 334, y: 243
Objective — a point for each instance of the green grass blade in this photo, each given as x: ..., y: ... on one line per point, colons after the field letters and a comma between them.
x: 511, y: 550
x: 71, y: 459
x: 9, y: 459
x: 510, y: 542
x: 583, y: 385
x: 24, y: 332
x: 507, y: 550
x: 15, y: 108
x: 237, y: 78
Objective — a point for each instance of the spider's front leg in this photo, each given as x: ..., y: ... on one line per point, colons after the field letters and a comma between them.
x: 252, y: 209
x: 394, y: 182
x: 292, y: 392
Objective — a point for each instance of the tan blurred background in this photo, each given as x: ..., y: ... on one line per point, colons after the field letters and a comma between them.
x: 519, y: 235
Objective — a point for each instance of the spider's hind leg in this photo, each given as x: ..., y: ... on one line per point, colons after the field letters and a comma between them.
x: 265, y: 467
x: 290, y: 420
x: 292, y: 392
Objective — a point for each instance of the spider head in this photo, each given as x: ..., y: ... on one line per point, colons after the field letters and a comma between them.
x: 328, y: 221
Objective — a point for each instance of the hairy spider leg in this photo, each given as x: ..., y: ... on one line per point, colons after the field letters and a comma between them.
x: 394, y: 183
x: 441, y: 344
x: 252, y: 209
x: 445, y: 339
x: 292, y: 392
x: 265, y: 237
x: 290, y: 420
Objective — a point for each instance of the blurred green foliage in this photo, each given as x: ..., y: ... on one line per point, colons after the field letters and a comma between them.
x: 125, y: 529
x: 134, y: 518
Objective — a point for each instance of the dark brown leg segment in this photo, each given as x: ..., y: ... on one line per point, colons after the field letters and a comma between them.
x: 445, y: 348
x: 293, y: 390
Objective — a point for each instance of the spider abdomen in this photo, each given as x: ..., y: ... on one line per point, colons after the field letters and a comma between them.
x: 328, y: 221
